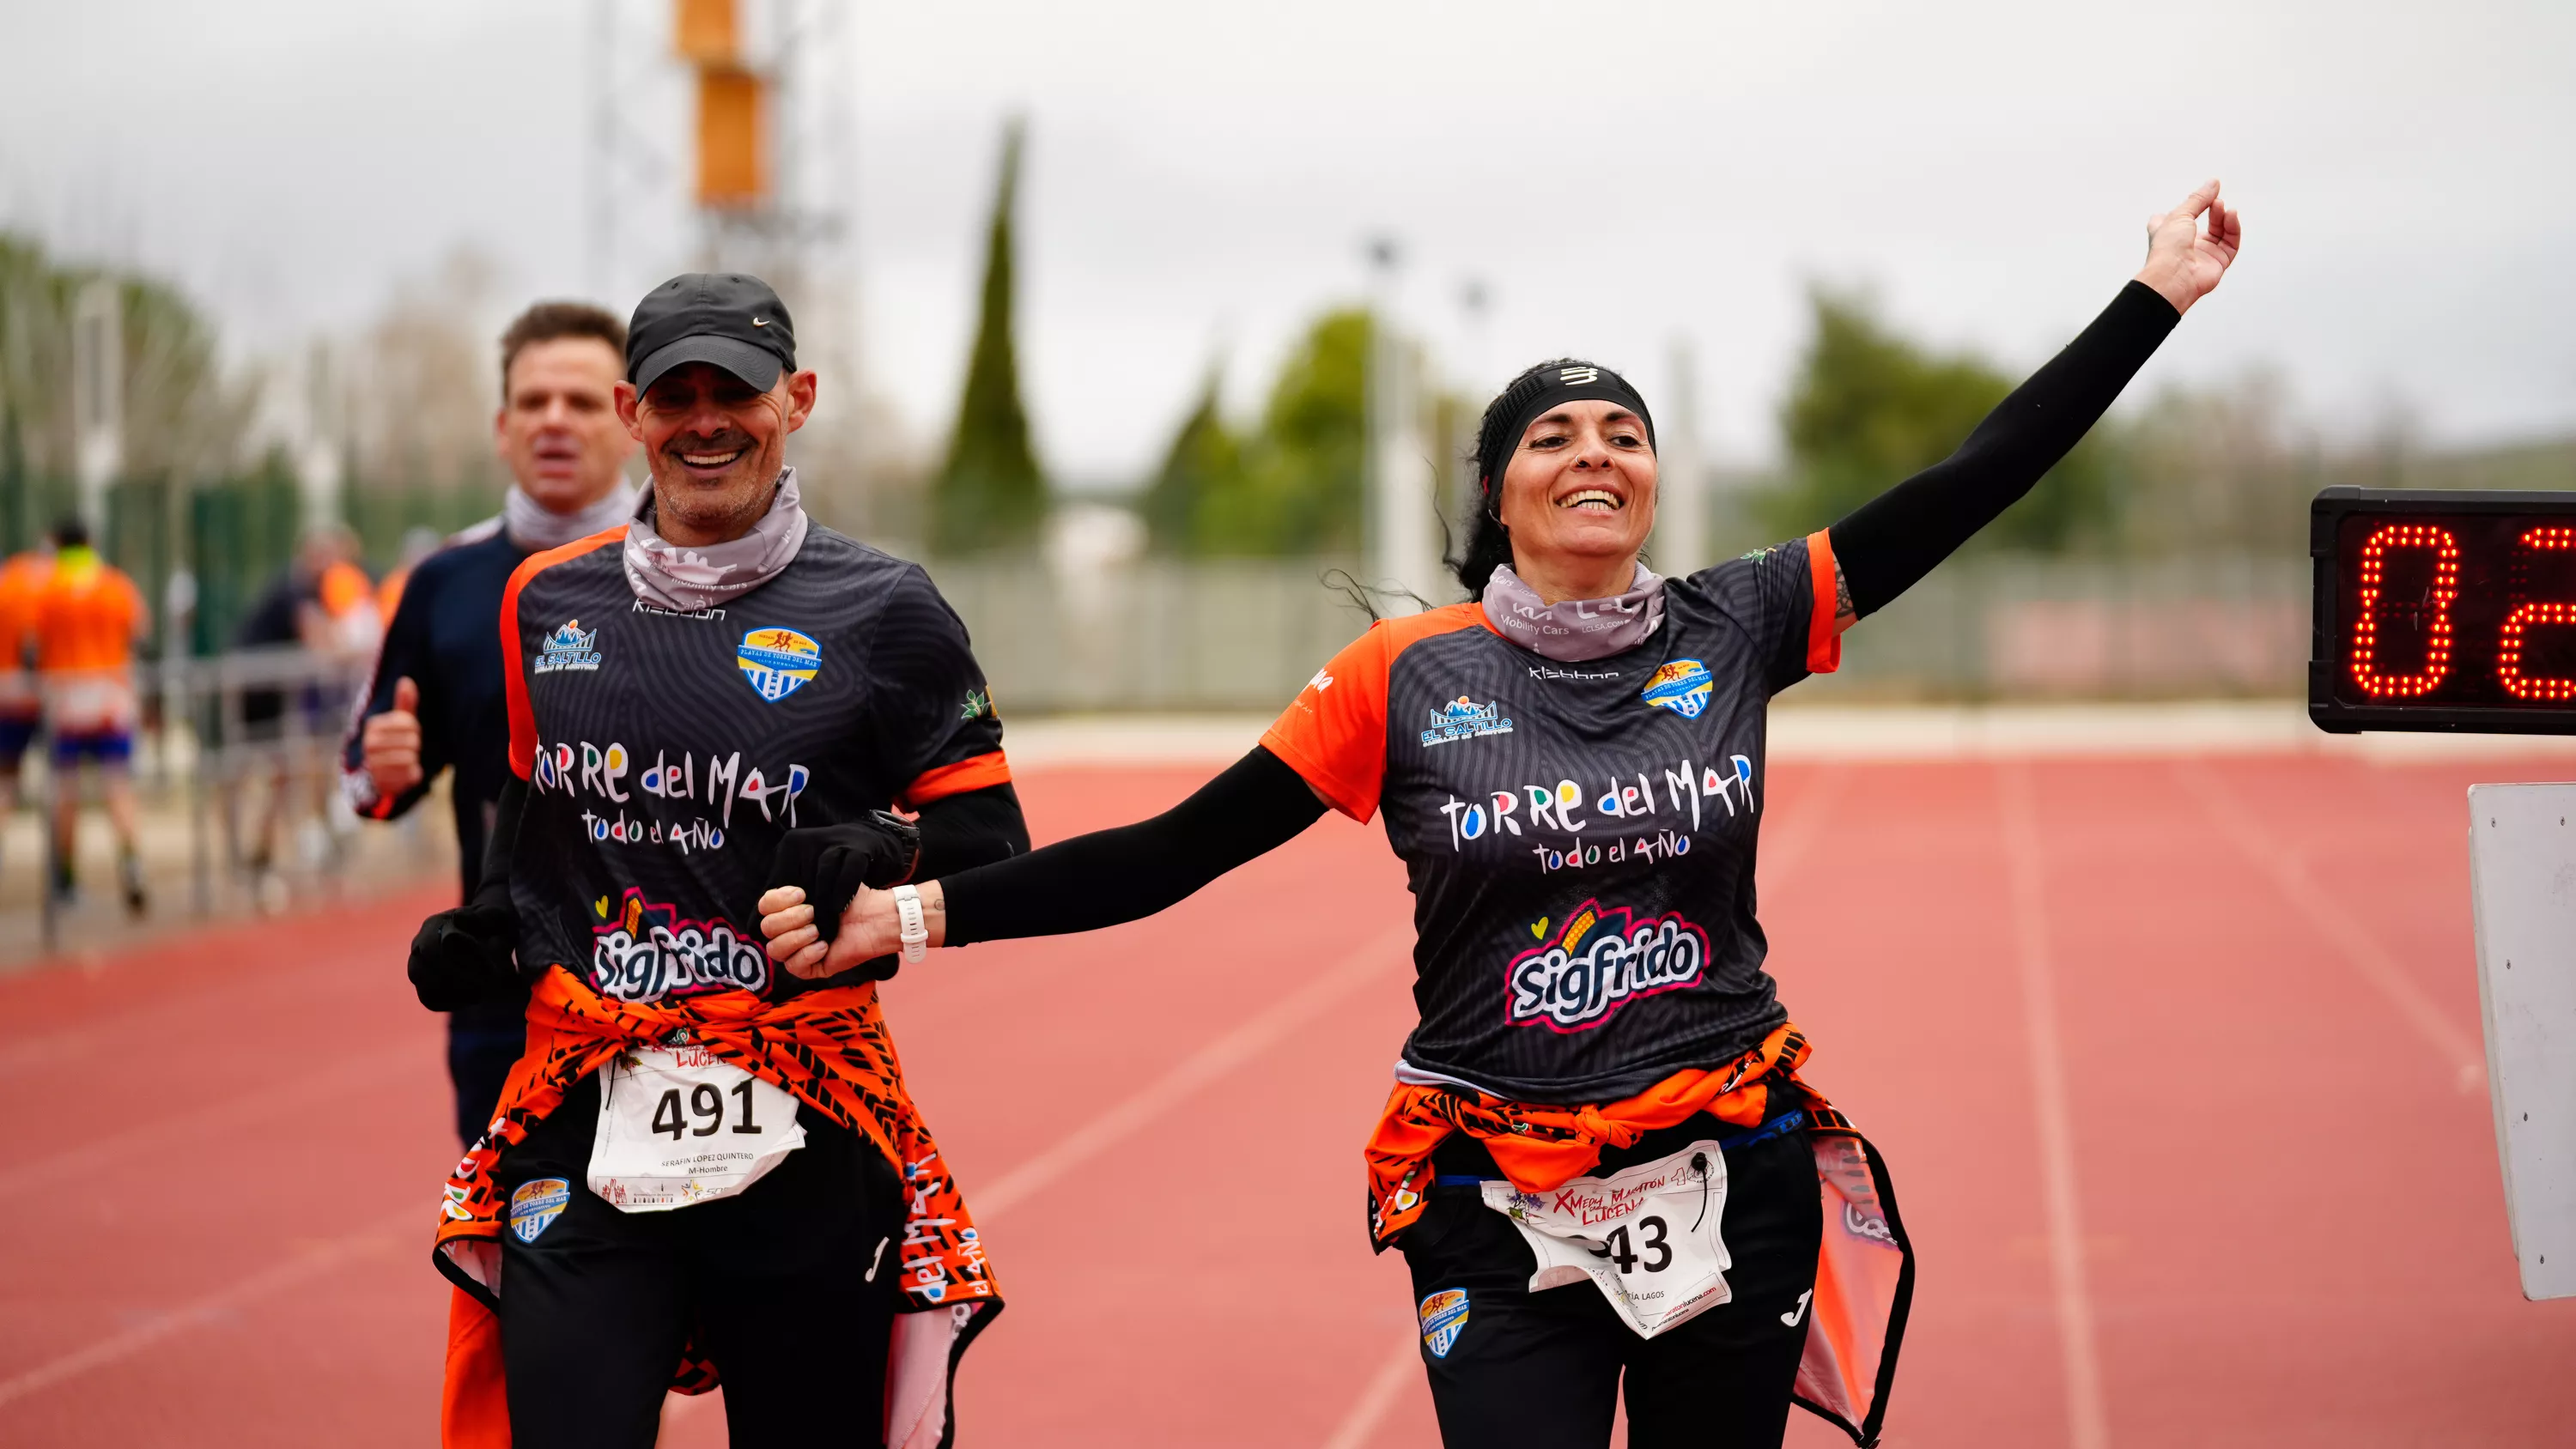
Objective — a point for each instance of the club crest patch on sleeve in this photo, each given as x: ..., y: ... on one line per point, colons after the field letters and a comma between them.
x: 536, y: 1205
x: 1444, y: 1317
x: 778, y: 662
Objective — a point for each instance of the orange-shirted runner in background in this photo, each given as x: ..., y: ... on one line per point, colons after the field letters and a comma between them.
x: 86, y: 617
x: 21, y: 707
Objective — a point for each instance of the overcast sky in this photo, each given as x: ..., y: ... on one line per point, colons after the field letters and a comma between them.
x: 1622, y: 177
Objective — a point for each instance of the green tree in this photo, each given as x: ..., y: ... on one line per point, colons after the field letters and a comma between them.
x: 1205, y: 458
x: 990, y: 493
x: 1869, y: 407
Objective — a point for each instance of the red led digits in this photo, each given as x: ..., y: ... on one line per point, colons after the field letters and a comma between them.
x: 2437, y: 633
x: 2533, y: 616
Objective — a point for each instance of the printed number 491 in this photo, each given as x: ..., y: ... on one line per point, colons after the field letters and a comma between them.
x: 1616, y: 1248
x: 705, y: 1104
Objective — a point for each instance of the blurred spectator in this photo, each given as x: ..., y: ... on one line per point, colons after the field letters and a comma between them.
x: 88, y: 616
x: 417, y: 544
x: 323, y: 603
x: 22, y: 709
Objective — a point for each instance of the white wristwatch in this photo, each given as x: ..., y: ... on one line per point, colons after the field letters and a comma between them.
x: 914, y: 934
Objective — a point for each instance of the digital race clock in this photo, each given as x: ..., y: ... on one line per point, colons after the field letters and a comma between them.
x: 2443, y: 611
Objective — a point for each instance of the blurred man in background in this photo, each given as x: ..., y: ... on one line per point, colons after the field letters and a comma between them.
x: 22, y: 709
x: 88, y: 616
x: 322, y: 603
x: 435, y: 700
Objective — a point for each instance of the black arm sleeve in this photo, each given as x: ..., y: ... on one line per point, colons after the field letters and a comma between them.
x: 972, y: 828
x: 1110, y: 876
x: 1893, y: 540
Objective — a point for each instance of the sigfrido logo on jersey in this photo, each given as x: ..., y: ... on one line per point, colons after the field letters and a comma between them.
x: 536, y: 1205
x: 778, y: 662
x: 1681, y: 686
x: 649, y: 952
x: 1599, y: 961
x: 1464, y: 719
x: 567, y: 648
x: 1444, y: 1317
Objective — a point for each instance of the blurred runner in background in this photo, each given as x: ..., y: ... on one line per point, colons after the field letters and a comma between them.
x: 323, y: 603
x: 88, y: 616
x: 434, y: 700
x: 22, y: 709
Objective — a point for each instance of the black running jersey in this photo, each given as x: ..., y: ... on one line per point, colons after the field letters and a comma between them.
x: 667, y: 752
x: 1579, y: 837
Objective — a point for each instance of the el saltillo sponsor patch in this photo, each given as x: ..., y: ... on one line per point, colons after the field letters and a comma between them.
x: 1444, y: 1317
x: 536, y: 1205
x: 570, y: 647
x: 778, y: 662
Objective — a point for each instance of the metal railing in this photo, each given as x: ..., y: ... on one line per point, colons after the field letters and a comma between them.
x: 1168, y: 636
x: 209, y: 726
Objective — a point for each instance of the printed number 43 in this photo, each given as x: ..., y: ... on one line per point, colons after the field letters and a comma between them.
x: 1616, y: 1248
x: 707, y: 1105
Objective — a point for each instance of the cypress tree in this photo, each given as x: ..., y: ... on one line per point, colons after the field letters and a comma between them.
x: 990, y: 493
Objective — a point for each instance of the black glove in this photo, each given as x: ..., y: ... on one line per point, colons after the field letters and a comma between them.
x: 464, y: 958
x: 830, y: 863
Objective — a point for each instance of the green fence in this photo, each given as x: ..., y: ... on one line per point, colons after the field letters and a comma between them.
x: 235, y: 534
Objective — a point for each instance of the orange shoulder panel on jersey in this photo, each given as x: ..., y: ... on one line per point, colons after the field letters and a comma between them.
x: 523, y: 720
x: 1334, y: 733
x: 980, y: 772
x: 1824, y: 641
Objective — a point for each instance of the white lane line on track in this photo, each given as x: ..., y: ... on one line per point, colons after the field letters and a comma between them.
x: 2087, y: 1424
x: 1384, y: 1388
x: 311, y: 1263
x: 1234, y: 1049
x: 2358, y: 947
x: 295, y: 1091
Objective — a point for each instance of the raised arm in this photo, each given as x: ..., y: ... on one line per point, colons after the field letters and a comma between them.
x: 1081, y: 884
x: 1890, y: 542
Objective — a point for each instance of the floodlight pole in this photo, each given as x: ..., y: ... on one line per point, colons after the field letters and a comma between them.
x: 1400, y: 497
x: 1680, y: 542
x: 98, y: 396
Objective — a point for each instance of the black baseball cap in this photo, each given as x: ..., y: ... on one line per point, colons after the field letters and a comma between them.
x: 731, y: 320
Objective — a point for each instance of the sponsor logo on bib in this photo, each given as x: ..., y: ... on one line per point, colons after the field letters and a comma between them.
x: 1444, y: 1317
x: 778, y: 662
x: 1464, y: 719
x: 1681, y: 686
x: 567, y: 648
x: 536, y: 1205
x: 1599, y: 961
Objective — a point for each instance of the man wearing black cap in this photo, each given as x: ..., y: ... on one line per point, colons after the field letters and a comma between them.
x: 701, y: 1164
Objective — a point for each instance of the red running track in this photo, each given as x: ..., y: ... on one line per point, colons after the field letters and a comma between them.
x: 2174, y: 1062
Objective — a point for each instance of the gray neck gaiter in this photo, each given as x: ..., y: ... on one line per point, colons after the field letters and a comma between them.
x: 533, y: 526
x: 669, y: 576
x: 1576, y: 629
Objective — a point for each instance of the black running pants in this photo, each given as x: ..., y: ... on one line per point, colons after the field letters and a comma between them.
x: 789, y: 1287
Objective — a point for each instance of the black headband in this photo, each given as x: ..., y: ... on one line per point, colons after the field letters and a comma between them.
x: 1542, y: 391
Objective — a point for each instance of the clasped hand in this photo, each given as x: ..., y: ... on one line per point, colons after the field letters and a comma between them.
x: 810, y: 933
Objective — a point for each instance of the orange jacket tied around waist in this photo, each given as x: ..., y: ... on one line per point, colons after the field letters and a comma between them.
x: 1864, y: 1270
x: 832, y: 1050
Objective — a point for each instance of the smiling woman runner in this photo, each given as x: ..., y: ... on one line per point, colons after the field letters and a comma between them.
x: 1603, y: 1089
x: 700, y: 1167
